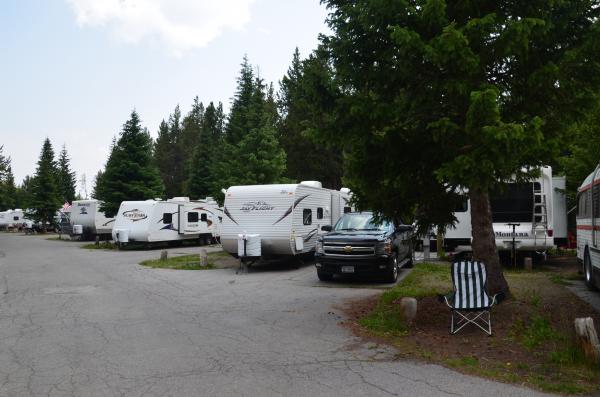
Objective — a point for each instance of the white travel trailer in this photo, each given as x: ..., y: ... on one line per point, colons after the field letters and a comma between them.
x: 538, y: 207
x: 175, y: 219
x: 284, y: 219
x: 12, y: 219
x: 88, y: 221
x: 588, y: 228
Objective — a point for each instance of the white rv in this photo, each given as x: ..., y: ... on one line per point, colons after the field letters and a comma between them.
x: 538, y: 207
x: 284, y: 219
x: 588, y: 228
x: 88, y: 221
x: 12, y: 219
x: 175, y: 219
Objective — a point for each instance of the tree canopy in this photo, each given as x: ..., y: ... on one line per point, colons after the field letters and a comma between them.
x: 429, y: 97
x: 130, y: 173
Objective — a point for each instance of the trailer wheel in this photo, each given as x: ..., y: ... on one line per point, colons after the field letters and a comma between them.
x: 588, y: 271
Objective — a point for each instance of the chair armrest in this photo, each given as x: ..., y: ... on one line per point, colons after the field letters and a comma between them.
x: 446, y: 298
x: 499, y: 297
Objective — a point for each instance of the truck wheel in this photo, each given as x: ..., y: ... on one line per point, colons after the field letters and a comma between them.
x: 392, y: 274
x: 588, y: 271
x: 324, y: 276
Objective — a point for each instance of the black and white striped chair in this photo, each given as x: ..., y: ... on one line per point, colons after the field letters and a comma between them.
x: 470, y: 302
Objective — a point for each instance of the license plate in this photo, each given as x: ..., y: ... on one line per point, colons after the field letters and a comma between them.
x: 347, y: 269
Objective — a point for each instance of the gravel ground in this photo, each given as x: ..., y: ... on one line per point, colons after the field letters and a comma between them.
x: 81, y: 322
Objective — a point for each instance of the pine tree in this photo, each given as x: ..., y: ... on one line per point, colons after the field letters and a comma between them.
x: 66, y: 178
x: 257, y: 157
x: 201, y: 176
x: 45, y: 192
x: 239, y: 115
x: 130, y: 172
x: 10, y: 190
x: 306, y: 159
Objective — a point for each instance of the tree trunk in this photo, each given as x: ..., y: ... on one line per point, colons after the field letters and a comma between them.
x: 484, y: 242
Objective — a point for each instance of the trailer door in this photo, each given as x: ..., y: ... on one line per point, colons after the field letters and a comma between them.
x: 189, y: 220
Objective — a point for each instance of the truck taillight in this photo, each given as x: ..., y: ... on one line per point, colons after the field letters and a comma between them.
x: 550, y: 232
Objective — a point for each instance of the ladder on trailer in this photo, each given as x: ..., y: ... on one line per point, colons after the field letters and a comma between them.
x: 540, y: 213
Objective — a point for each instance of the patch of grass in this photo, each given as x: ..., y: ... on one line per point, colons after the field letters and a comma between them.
x: 562, y: 252
x: 462, y: 362
x: 538, y: 332
x: 425, y: 280
x: 184, y: 262
x: 103, y: 245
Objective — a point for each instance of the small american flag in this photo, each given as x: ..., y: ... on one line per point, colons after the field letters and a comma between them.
x: 66, y: 206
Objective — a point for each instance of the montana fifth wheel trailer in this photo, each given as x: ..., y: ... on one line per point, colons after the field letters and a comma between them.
x: 588, y: 228
x: 537, y: 207
x: 88, y: 221
x: 176, y: 219
x: 285, y: 219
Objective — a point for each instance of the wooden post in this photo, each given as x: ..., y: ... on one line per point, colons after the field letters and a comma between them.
x: 164, y: 255
x: 203, y: 258
x: 528, y: 263
x: 587, y: 339
x: 409, y: 309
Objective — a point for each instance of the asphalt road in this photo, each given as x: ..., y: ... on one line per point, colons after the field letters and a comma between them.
x: 94, y: 323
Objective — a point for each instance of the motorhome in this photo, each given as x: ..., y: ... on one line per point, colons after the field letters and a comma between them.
x: 536, y: 209
x: 282, y: 219
x: 87, y: 221
x: 175, y: 219
x: 588, y: 228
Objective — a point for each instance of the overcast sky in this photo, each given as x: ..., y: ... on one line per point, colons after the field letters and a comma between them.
x: 72, y: 70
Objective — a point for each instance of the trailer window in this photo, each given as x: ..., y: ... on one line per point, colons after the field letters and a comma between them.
x: 319, y: 213
x: 193, y: 217
x: 514, y: 203
x: 167, y: 218
x: 203, y: 217
x: 462, y: 206
x: 307, y: 216
x: 583, y: 206
x: 15, y: 218
x: 596, y: 201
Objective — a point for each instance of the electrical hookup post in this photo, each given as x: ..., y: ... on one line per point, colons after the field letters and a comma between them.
x: 249, y: 251
x: 513, y: 247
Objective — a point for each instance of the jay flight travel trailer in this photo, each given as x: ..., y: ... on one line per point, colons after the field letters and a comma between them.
x: 88, y: 221
x: 284, y: 219
x: 588, y: 228
x: 176, y: 219
x: 538, y: 207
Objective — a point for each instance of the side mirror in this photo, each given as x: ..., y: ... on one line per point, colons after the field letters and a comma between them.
x: 326, y: 228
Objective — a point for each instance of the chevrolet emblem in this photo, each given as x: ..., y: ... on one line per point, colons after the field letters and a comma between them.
x: 348, y: 249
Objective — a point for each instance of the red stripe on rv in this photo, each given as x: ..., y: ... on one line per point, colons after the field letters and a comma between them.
x: 587, y: 227
x: 589, y: 186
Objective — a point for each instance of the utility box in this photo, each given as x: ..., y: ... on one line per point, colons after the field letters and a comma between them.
x: 249, y: 245
x: 77, y: 229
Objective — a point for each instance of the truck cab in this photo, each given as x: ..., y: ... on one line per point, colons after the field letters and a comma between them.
x: 358, y: 244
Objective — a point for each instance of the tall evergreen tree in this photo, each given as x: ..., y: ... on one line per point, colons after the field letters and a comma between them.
x: 306, y: 159
x: 130, y: 172
x: 169, y: 155
x: 5, y: 199
x: 162, y: 153
x: 10, y: 190
x: 256, y: 158
x: 66, y: 178
x: 238, y: 122
x: 432, y: 97
x: 45, y: 193
x: 201, y: 176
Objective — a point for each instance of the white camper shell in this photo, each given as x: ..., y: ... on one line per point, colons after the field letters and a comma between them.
x: 88, y: 221
x: 279, y: 219
x: 171, y: 220
x: 538, y: 206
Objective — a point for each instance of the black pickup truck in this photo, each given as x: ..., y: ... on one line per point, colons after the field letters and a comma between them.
x: 358, y: 245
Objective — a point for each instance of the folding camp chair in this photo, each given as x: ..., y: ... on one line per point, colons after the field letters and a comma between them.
x: 470, y: 303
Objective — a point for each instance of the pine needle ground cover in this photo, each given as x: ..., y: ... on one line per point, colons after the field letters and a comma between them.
x: 533, y: 333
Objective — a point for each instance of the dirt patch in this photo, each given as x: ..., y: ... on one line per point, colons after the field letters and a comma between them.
x: 532, y: 333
